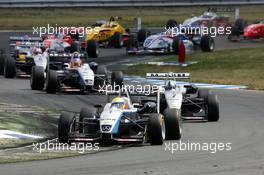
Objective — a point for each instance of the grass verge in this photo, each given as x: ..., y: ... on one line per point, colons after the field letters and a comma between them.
x: 239, y: 67
x: 26, y: 18
x: 23, y: 124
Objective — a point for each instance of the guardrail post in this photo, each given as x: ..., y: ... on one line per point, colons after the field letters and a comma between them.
x: 237, y: 13
x: 138, y: 23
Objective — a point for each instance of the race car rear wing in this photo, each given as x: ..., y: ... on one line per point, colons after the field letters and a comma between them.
x: 25, y: 41
x: 27, y: 44
x: 25, y: 38
x: 56, y: 60
x: 169, y: 75
x: 63, y: 57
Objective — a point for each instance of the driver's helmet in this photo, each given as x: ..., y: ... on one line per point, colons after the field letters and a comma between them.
x: 75, y: 60
x: 37, y: 51
x: 120, y: 103
x: 170, y: 85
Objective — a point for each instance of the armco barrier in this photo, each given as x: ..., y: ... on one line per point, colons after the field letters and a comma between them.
x: 120, y: 3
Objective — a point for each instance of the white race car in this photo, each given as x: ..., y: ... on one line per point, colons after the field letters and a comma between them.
x: 168, y: 42
x: 22, y: 56
x: 120, y: 121
x: 186, y: 100
x: 208, y: 19
x: 60, y: 75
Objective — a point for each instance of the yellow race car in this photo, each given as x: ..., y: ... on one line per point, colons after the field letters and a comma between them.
x: 103, y: 33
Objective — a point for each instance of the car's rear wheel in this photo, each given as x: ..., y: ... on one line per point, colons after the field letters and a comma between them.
x: 132, y: 44
x: 64, y: 126
x: 117, y: 40
x: 101, y: 80
x: 156, y: 129
x: 117, y: 78
x: 142, y: 35
x: 204, y: 93
x: 52, y: 82
x: 240, y: 24
x: 175, y: 45
x: 37, y: 79
x: 75, y: 47
x: 173, y: 124
x: 235, y: 34
x: 10, y: 68
x: 2, y: 62
x: 207, y: 43
x: 213, y: 108
x: 92, y: 48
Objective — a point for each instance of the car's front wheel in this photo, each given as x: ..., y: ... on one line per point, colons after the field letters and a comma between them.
x: 92, y: 48
x: 207, y: 43
x: 52, y: 82
x: 65, y: 122
x: 10, y: 68
x: 173, y: 124
x: 37, y: 79
x: 156, y: 129
x: 213, y: 108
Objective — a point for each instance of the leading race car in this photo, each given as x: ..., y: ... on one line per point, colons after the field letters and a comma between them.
x: 241, y: 30
x: 169, y: 41
x: 70, y: 72
x: 119, y: 121
x: 109, y: 33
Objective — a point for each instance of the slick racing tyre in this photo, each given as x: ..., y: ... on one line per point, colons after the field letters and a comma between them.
x: 116, y: 40
x: 2, y: 62
x: 173, y: 124
x: 213, y: 108
x: 117, y: 78
x: 240, y: 24
x: 64, y: 125
x: 52, y: 82
x: 171, y: 23
x: 100, y: 81
x: 10, y: 68
x: 207, y: 43
x: 87, y: 112
x: 132, y: 44
x: 92, y: 48
x: 156, y: 129
x: 142, y: 35
x: 204, y: 93
x: 175, y: 45
x: 235, y: 33
x: 75, y: 47
x: 37, y: 79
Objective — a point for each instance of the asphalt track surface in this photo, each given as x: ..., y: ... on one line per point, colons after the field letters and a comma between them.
x: 241, y: 124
